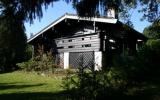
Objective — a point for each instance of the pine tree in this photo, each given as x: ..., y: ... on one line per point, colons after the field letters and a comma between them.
x: 12, y: 39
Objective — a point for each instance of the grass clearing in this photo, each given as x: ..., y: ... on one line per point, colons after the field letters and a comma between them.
x: 20, y: 85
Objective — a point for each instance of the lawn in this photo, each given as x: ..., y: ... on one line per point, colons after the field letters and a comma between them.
x: 30, y: 86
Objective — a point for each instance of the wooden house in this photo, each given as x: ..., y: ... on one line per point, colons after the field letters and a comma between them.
x: 77, y: 41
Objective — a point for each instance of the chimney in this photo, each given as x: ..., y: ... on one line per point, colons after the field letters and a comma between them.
x: 111, y: 13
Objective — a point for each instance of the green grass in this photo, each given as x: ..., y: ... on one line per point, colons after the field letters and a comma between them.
x: 29, y: 86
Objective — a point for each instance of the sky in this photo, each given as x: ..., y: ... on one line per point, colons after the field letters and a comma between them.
x: 59, y: 8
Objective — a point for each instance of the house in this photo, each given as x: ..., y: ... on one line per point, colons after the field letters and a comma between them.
x: 77, y: 41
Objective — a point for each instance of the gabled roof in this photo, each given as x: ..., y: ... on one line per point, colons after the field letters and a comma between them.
x: 71, y: 16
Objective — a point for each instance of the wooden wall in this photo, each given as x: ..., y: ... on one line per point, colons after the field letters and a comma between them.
x: 80, y: 43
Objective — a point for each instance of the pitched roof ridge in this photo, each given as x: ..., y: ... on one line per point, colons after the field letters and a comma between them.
x: 72, y: 16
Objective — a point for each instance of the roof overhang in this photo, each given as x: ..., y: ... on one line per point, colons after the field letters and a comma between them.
x: 75, y: 17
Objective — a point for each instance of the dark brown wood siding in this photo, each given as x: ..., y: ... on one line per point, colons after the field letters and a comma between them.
x: 81, y: 43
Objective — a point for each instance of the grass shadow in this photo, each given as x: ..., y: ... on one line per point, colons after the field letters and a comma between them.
x: 62, y: 95
x: 3, y: 72
x: 35, y: 96
x: 4, y: 86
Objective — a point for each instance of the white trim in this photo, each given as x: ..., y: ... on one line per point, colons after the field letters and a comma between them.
x: 66, y: 60
x: 70, y: 16
x: 98, y: 60
x: 104, y: 20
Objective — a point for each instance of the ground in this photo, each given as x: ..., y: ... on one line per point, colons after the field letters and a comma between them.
x: 20, y: 85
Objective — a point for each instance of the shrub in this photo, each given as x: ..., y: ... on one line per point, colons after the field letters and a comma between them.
x: 43, y: 63
x: 89, y: 84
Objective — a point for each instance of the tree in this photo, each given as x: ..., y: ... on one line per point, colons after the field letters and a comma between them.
x: 13, y: 13
x: 12, y: 40
x: 30, y: 9
x: 153, y: 31
x: 149, y: 8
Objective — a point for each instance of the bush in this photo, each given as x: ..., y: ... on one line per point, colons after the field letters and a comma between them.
x: 89, y: 84
x: 43, y: 63
x: 28, y: 52
x: 28, y: 65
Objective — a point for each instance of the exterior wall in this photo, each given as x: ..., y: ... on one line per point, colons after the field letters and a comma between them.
x: 98, y: 60
x: 81, y: 43
x: 84, y: 43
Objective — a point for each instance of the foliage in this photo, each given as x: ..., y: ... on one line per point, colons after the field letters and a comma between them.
x: 142, y: 70
x: 149, y: 8
x: 29, y: 9
x: 32, y: 9
x: 153, y: 31
x: 28, y: 65
x: 13, y: 13
x: 149, y: 56
x: 12, y: 40
x: 42, y: 63
x: 89, y: 84
x: 28, y: 52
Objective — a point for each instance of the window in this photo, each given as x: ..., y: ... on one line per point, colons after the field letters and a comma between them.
x: 111, y: 40
x: 60, y: 47
x: 86, y: 45
x: 70, y: 40
x: 86, y: 38
x: 60, y: 41
x: 70, y: 46
x: 57, y: 42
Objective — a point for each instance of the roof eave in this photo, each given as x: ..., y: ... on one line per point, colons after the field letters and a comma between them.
x: 47, y: 27
x: 71, y: 16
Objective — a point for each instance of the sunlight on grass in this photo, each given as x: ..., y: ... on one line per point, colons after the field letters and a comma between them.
x: 29, y: 83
